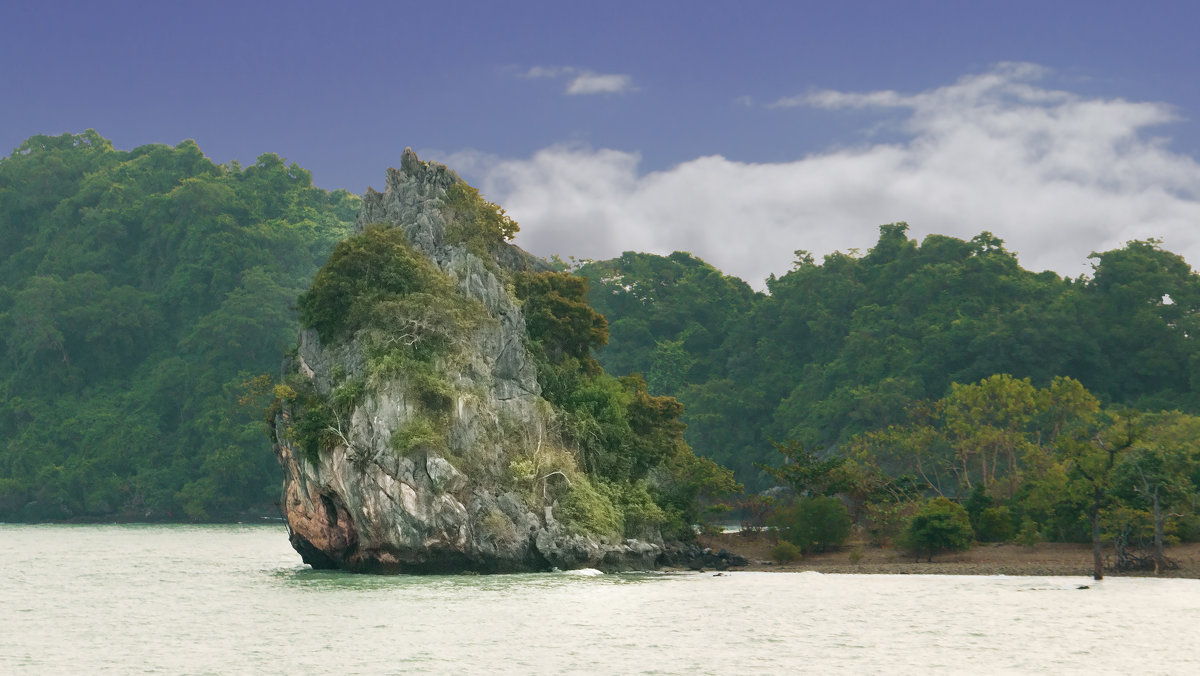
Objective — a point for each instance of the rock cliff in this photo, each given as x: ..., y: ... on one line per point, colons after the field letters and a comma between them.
x: 434, y: 459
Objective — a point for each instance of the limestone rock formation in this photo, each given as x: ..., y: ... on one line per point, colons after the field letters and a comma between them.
x: 461, y: 496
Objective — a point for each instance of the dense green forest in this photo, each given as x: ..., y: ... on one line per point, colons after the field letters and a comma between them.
x: 848, y: 345
x: 141, y: 294
x: 931, y: 368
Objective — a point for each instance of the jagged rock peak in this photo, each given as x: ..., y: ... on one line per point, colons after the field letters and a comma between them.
x: 412, y: 187
x: 413, y: 199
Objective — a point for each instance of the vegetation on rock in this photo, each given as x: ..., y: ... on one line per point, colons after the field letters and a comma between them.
x: 478, y: 224
x: 628, y: 437
x: 376, y: 280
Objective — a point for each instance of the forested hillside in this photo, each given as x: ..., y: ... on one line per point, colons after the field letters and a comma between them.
x: 141, y: 294
x: 147, y: 298
x: 848, y: 345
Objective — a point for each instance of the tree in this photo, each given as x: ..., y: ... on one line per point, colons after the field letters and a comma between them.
x: 813, y: 524
x: 1146, y: 300
x: 805, y: 472
x: 987, y: 424
x: 940, y: 525
x: 669, y: 366
x: 1157, y: 473
x: 1091, y: 452
x: 558, y: 316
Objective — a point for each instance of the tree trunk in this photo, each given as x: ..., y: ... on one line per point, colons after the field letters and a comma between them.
x: 1097, y: 555
x: 1159, y: 557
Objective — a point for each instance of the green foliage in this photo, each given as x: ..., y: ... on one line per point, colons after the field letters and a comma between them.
x: 786, y: 552
x: 586, y: 508
x: 976, y: 502
x: 983, y: 439
x: 409, y: 318
x: 498, y: 527
x: 432, y: 389
x: 420, y: 433
x: 641, y: 516
x: 886, y: 522
x: 845, y: 346
x: 366, y: 276
x: 347, y: 395
x: 669, y: 313
x: 814, y: 524
x: 1029, y: 535
x: 560, y: 322
x: 629, y: 439
x: 941, y: 525
x: 138, y: 291
x: 670, y: 317
x: 313, y: 421
x: 475, y: 222
x: 991, y: 522
x: 805, y: 472
x: 994, y: 525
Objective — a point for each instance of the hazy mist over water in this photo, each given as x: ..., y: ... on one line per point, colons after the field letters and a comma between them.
x: 236, y: 599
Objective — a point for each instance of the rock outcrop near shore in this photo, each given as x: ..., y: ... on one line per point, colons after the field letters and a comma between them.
x: 441, y: 465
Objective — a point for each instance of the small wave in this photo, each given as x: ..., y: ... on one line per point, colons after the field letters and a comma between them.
x: 584, y: 572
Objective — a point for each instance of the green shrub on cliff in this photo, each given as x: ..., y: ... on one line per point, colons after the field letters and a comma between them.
x: 476, y: 222
x: 375, y: 279
x: 421, y: 432
x: 314, y: 419
x: 587, y: 509
x: 561, y: 323
x: 626, y: 437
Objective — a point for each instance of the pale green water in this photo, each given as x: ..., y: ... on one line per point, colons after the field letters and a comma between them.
x: 234, y: 599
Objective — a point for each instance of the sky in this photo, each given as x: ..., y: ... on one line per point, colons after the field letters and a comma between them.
x: 740, y: 132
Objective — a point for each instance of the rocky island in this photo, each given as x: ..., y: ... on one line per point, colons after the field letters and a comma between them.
x: 442, y: 412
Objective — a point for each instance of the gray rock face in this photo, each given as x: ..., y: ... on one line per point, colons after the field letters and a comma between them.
x: 365, y: 507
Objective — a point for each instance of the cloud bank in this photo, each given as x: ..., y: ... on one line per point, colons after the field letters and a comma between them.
x: 1054, y: 174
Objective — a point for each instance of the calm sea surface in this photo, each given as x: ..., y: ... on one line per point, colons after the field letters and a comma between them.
x: 236, y: 599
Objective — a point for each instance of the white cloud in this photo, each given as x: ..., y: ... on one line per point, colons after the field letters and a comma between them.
x: 547, y: 71
x: 1054, y: 174
x: 597, y: 83
x: 584, y: 81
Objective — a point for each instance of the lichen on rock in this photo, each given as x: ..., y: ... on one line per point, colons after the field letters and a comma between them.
x: 418, y: 439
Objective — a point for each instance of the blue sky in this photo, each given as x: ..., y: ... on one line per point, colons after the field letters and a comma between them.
x: 738, y: 131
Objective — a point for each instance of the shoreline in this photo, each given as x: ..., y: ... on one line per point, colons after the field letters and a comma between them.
x: 1042, y: 559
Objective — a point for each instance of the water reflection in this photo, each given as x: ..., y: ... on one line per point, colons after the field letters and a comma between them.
x: 305, y: 578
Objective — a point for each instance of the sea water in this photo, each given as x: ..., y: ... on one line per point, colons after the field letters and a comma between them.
x: 237, y: 599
